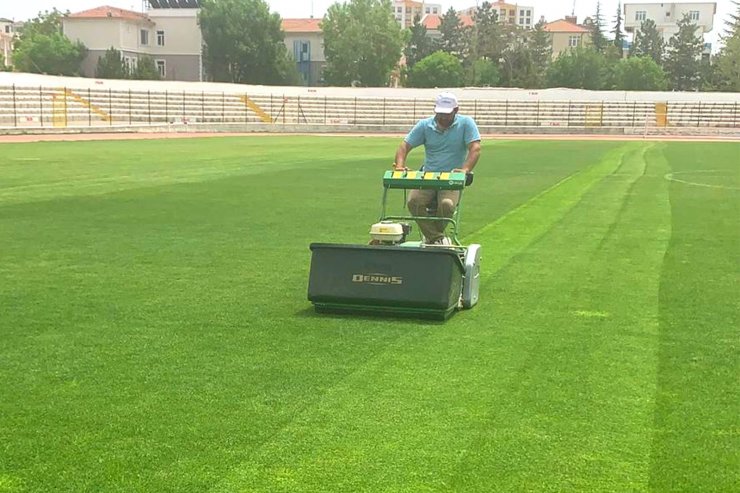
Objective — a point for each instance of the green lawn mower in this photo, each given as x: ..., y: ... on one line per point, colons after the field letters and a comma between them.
x: 395, y: 275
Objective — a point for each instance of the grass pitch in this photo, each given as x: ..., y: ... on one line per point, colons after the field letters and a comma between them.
x: 155, y: 333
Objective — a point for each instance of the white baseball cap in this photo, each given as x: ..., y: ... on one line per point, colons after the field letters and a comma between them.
x: 446, y: 103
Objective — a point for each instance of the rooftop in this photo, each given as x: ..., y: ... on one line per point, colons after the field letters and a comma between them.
x: 109, y: 12
x: 563, y: 26
x: 433, y: 21
x: 301, y: 25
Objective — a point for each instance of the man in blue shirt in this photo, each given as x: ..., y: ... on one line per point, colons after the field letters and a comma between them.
x: 451, y: 143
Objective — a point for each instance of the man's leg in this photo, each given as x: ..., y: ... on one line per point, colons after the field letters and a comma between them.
x: 418, y: 202
x: 446, y: 204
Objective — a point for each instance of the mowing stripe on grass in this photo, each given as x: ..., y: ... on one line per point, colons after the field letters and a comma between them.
x: 577, y: 402
x: 402, y: 433
x: 696, y: 443
x: 512, y: 232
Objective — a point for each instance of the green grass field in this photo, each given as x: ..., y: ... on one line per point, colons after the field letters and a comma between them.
x: 155, y: 334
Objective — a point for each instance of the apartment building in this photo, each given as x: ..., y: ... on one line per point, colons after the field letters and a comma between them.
x: 305, y: 40
x: 406, y: 11
x: 567, y: 34
x: 6, y: 40
x: 509, y: 13
x: 171, y: 36
x: 666, y: 16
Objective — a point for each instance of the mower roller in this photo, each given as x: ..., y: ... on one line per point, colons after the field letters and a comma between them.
x: 394, y: 275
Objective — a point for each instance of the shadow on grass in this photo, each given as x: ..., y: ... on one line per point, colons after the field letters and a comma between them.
x: 310, y: 313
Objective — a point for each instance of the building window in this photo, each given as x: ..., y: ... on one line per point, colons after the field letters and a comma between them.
x: 161, y: 68
x: 529, y: 13
x: 694, y: 15
x: 573, y: 41
x: 434, y: 10
x: 503, y: 12
x: 160, y: 38
x: 640, y: 15
x: 426, y: 10
x: 521, y: 21
x: 528, y: 21
x: 144, y: 37
x: 7, y: 29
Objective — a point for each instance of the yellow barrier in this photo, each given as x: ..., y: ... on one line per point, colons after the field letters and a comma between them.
x: 661, y: 114
x: 258, y: 111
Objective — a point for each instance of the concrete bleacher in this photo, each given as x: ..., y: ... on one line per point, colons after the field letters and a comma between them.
x: 31, y: 103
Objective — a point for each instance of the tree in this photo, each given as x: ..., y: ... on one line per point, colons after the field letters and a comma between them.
x: 111, y: 65
x: 43, y: 48
x: 440, y: 69
x: 488, y: 39
x: 243, y: 42
x: 419, y: 44
x: 618, y: 34
x: 540, y: 46
x: 727, y: 62
x: 486, y: 73
x: 639, y: 74
x: 145, y: 69
x: 598, y: 40
x: 580, y: 68
x: 517, y: 66
x: 648, y: 42
x: 362, y: 42
x: 683, y: 58
x: 453, y: 39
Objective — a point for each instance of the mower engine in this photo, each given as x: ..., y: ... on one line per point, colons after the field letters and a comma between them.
x: 389, y: 233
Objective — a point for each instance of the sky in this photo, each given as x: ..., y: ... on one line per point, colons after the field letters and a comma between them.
x: 551, y: 9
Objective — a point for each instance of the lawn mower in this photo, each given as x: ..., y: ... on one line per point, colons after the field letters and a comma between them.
x: 395, y: 275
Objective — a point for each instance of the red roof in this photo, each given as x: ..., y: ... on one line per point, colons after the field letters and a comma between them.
x: 301, y: 25
x: 109, y: 12
x: 432, y: 21
x: 563, y: 26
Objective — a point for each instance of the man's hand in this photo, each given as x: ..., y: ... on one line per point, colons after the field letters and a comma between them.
x: 399, y: 167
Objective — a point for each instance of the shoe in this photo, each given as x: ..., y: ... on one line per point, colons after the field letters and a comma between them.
x: 444, y: 241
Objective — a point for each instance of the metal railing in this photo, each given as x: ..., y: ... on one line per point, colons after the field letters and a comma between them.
x: 42, y: 107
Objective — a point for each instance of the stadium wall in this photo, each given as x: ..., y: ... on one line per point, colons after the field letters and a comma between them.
x: 31, y: 103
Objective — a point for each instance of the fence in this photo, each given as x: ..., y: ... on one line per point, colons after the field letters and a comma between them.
x: 41, y: 107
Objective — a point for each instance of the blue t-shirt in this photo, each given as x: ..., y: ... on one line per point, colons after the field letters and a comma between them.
x: 444, y: 150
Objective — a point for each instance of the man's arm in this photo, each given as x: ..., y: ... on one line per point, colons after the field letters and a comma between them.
x: 403, y: 150
x: 473, y: 155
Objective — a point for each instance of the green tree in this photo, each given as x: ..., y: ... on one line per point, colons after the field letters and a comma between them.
x: 453, y: 38
x: 111, y: 65
x: 440, y: 69
x: 42, y: 47
x: 683, y: 57
x: 598, y: 40
x: 580, y: 68
x: 540, y: 46
x: 516, y: 62
x: 727, y: 62
x: 488, y: 39
x: 639, y: 74
x: 419, y: 45
x: 243, y: 42
x: 486, y: 73
x: 362, y: 42
x: 648, y: 42
x: 146, y: 69
x: 618, y: 34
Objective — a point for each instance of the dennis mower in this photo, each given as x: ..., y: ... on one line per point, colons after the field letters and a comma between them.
x: 395, y: 275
